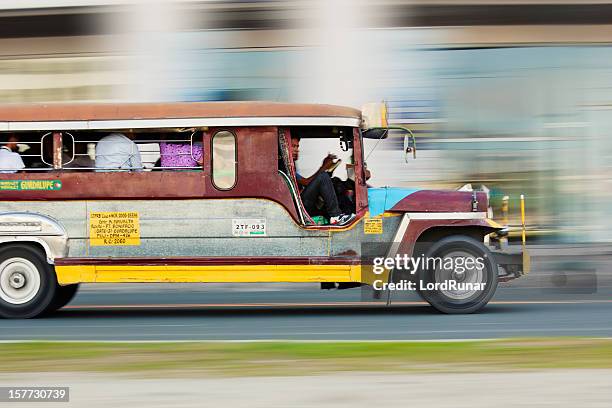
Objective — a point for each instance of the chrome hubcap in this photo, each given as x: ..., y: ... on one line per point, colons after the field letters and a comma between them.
x: 471, y: 275
x: 19, y: 281
x: 458, y: 276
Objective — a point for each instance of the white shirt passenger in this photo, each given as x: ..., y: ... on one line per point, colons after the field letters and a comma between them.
x: 117, y: 151
x: 10, y: 160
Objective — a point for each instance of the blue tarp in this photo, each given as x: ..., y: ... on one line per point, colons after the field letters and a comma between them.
x: 384, y: 198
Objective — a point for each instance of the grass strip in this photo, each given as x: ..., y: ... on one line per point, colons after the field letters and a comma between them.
x: 305, y: 358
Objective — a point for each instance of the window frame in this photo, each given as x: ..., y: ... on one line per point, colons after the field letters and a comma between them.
x: 193, y: 140
x: 212, y: 159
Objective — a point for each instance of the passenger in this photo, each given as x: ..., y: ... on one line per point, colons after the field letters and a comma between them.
x: 320, y: 185
x: 345, y: 189
x: 180, y: 155
x: 80, y: 159
x: 118, y: 151
x: 10, y: 160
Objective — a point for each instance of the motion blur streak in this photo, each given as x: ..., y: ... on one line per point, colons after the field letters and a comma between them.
x: 511, y: 95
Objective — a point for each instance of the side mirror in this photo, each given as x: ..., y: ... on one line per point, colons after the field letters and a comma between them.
x: 409, y: 144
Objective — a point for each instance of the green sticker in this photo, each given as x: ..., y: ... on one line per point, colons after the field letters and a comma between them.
x: 20, y: 185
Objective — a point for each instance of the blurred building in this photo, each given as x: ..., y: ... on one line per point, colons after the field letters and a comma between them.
x: 511, y: 94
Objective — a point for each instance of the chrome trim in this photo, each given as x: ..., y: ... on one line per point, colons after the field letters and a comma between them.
x: 407, y: 217
x: 49, y: 233
x: 294, y: 196
x: 397, y: 241
x: 180, y: 123
x: 399, y: 236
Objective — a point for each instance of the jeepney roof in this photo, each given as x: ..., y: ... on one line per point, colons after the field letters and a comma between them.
x: 98, y: 116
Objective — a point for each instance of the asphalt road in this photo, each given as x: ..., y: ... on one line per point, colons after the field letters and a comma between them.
x: 552, y: 301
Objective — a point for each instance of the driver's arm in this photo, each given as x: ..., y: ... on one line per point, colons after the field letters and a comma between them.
x: 328, y: 162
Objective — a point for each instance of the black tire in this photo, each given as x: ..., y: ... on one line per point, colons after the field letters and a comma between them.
x: 63, y: 296
x: 41, y: 298
x: 451, y: 302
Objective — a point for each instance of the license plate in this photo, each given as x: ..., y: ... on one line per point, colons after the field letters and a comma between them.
x: 249, y: 227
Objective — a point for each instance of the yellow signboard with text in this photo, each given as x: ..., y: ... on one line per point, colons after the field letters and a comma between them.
x: 114, y: 228
x: 373, y: 226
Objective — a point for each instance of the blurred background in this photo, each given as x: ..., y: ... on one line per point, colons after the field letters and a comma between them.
x: 514, y: 95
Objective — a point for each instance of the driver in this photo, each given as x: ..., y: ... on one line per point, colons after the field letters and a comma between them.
x: 320, y: 185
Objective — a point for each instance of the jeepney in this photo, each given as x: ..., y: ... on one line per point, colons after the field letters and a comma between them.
x: 236, y: 216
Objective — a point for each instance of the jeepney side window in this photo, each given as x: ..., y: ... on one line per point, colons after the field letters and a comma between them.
x: 224, y: 160
x: 162, y: 150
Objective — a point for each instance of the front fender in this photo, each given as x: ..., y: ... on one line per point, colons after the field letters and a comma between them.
x: 45, y: 231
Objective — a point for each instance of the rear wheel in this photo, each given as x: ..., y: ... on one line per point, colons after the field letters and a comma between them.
x: 465, y: 278
x: 63, y: 296
x: 27, y: 282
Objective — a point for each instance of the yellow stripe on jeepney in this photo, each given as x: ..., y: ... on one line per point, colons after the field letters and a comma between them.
x: 67, y: 275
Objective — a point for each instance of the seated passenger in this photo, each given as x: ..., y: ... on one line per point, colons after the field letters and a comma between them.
x: 118, y: 151
x: 10, y: 160
x: 180, y: 154
x: 320, y: 185
x: 79, y: 160
x: 345, y: 189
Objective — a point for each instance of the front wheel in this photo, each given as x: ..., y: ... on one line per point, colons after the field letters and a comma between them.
x: 460, y: 275
x: 27, y: 282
